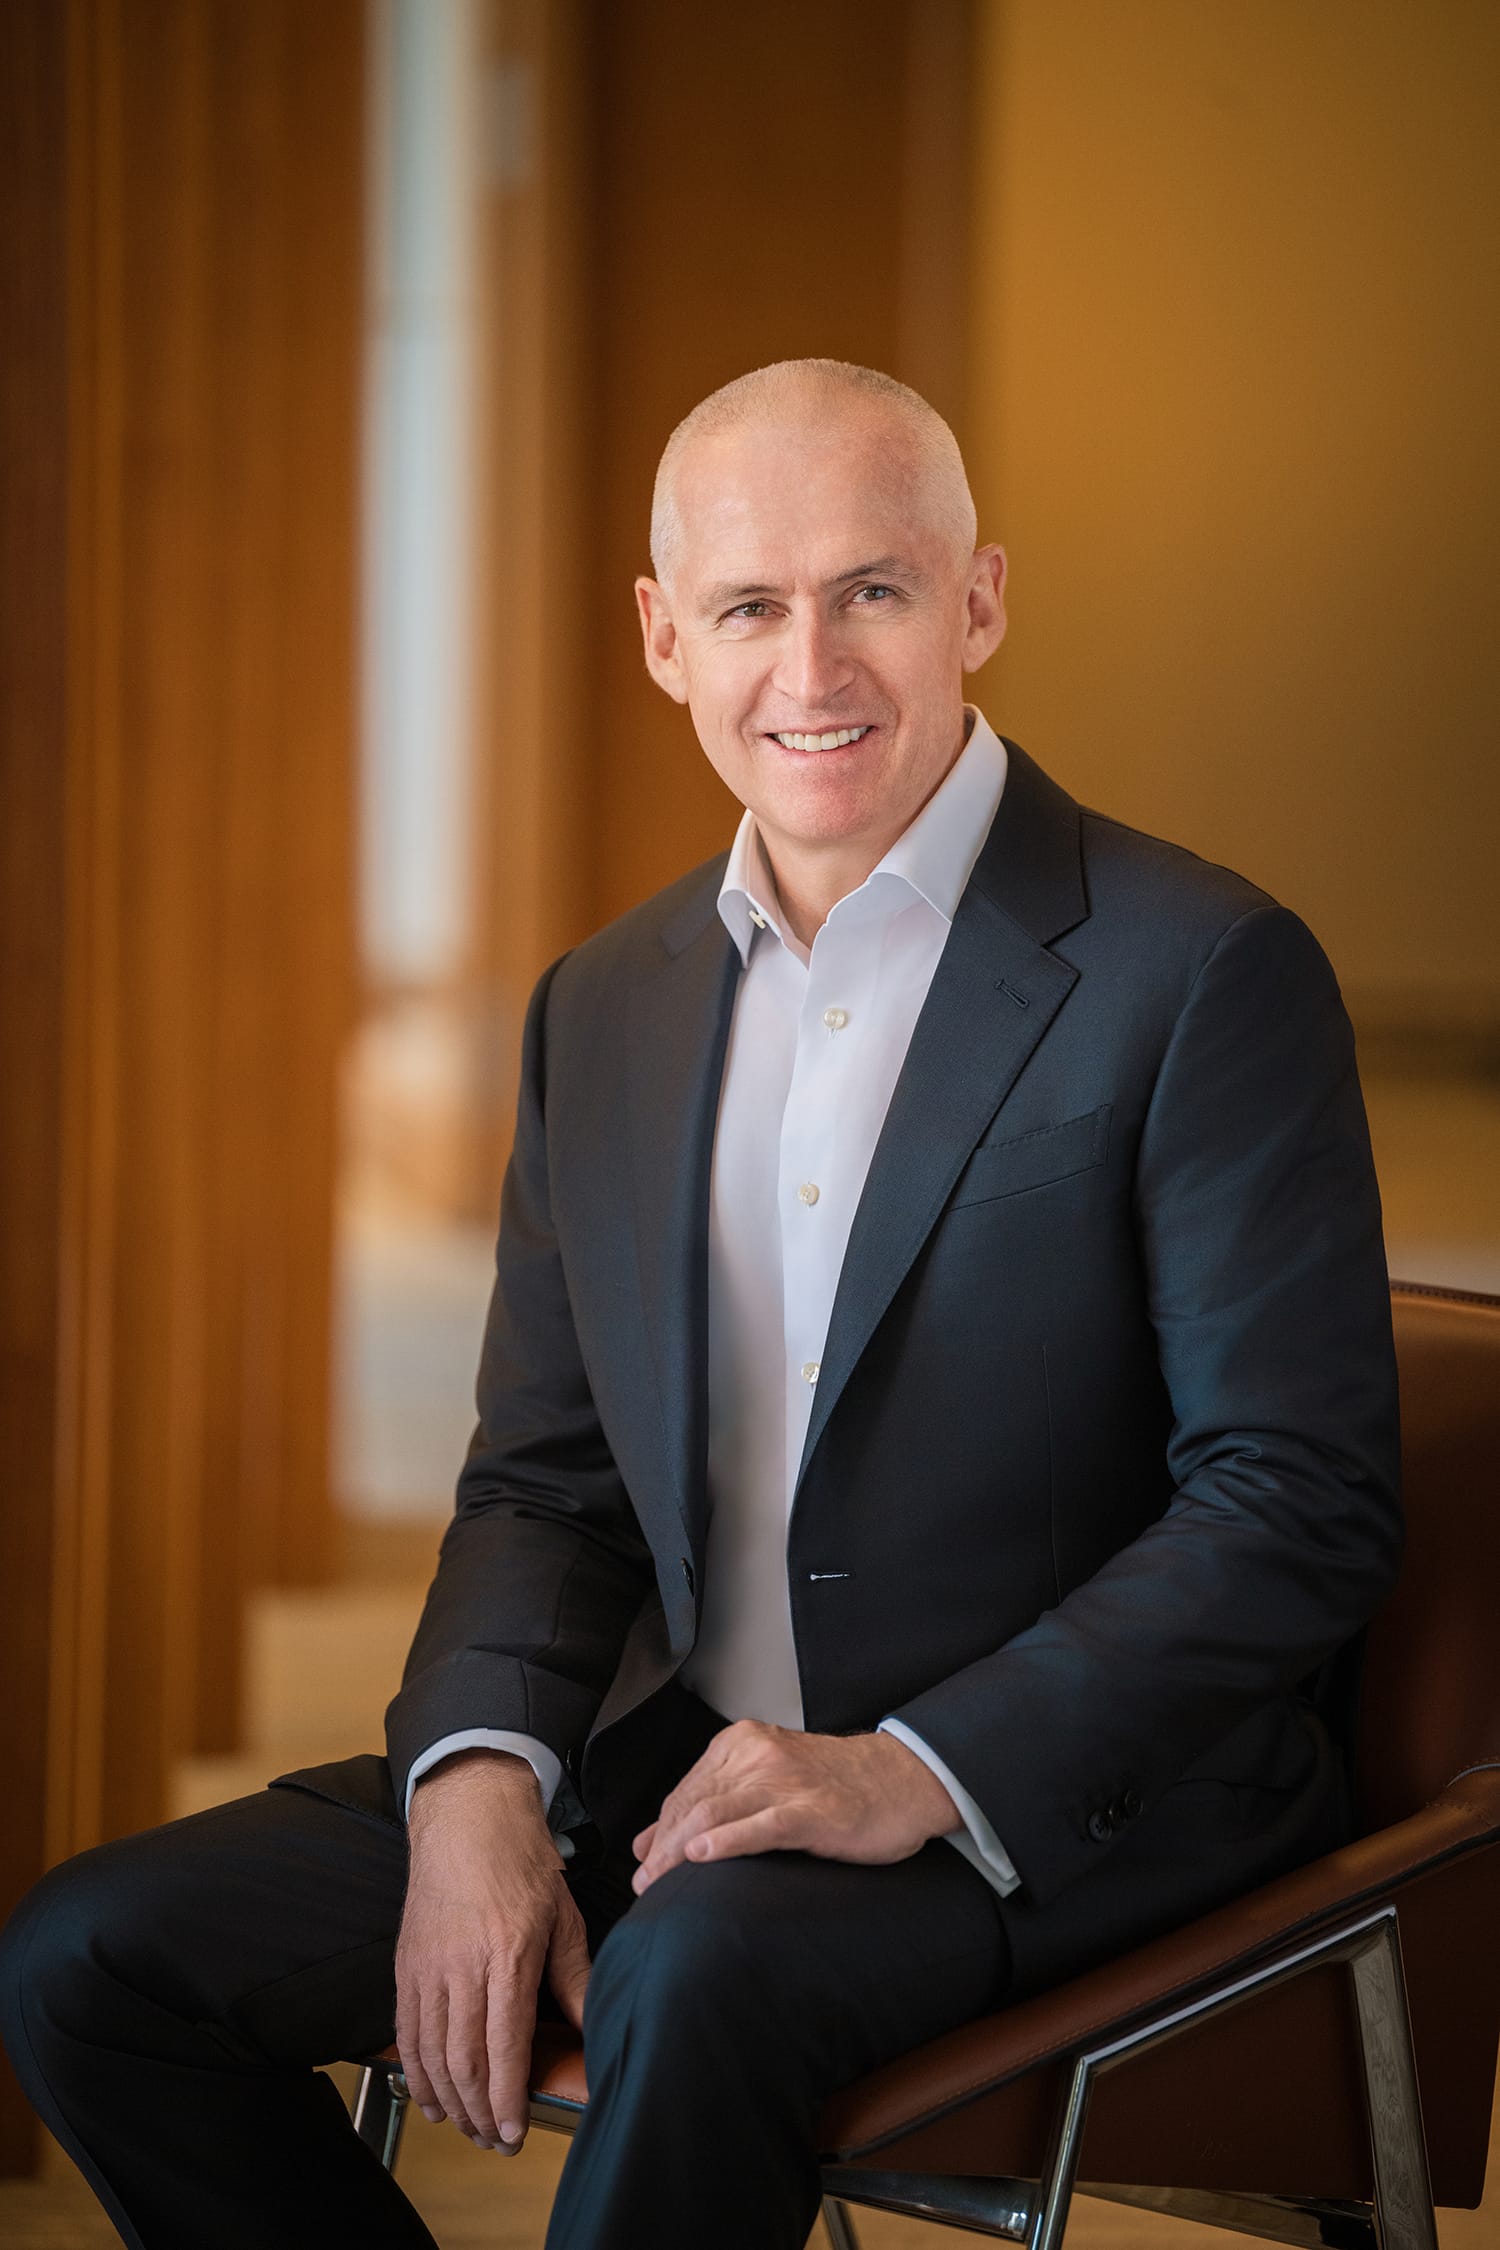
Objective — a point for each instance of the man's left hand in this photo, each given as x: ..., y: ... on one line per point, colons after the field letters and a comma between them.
x: 760, y: 1788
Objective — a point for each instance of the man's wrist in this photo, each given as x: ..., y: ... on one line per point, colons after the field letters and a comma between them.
x: 475, y: 1773
x: 921, y: 1788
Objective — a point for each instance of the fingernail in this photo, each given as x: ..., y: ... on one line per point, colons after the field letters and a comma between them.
x: 512, y: 2133
x: 431, y: 2112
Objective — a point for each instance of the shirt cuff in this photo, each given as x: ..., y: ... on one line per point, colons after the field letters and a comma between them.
x: 544, y: 1763
x: 977, y: 1841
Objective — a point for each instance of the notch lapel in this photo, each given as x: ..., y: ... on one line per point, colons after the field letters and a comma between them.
x: 995, y: 993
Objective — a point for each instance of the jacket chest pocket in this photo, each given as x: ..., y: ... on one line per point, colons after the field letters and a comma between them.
x: 1034, y: 1159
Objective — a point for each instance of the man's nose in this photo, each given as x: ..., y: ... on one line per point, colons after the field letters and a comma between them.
x: 812, y: 665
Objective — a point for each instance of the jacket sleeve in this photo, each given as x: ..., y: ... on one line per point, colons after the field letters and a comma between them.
x: 543, y: 1566
x: 1258, y: 1220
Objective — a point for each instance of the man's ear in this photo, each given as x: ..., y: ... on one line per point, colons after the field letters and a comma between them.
x: 663, y: 660
x: 984, y: 628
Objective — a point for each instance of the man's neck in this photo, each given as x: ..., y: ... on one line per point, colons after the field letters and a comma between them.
x: 809, y: 885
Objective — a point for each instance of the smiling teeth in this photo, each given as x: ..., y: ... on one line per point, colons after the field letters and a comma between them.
x: 821, y: 741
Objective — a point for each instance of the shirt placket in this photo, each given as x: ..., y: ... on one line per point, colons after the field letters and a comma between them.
x: 813, y: 1188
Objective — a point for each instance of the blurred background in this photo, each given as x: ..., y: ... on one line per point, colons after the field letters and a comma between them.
x: 340, y: 344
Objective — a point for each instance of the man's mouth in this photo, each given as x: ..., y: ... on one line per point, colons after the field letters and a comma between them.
x: 833, y: 738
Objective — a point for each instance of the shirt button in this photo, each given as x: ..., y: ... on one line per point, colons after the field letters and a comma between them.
x: 808, y: 1192
x: 835, y: 1018
x: 810, y: 1370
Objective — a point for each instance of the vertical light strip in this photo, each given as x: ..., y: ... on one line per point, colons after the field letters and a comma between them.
x: 417, y: 625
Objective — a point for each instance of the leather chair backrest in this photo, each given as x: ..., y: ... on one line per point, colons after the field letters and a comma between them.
x: 1430, y: 1704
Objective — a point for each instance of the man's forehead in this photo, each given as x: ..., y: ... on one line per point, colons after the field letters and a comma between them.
x: 789, y: 517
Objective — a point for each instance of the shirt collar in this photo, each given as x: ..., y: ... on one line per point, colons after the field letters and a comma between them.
x: 933, y: 858
x: 747, y: 895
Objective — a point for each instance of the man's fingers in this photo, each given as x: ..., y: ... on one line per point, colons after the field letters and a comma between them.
x: 467, y: 2061
x: 669, y: 1836
x: 510, y: 2026
x: 568, y: 1959
x: 433, y: 2053
x: 711, y: 1771
x: 677, y: 1806
x: 747, y: 1757
x: 710, y: 1816
x: 765, y: 1831
x: 641, y: 1844
x: 409, y: 2048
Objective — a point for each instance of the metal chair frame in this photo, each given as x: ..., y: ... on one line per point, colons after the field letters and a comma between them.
x: 1401, y: 2216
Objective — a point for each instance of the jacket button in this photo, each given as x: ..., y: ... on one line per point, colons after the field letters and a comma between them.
x: 687, y: 1572
x: 1100, y: 1827
x: 1131, y: 1805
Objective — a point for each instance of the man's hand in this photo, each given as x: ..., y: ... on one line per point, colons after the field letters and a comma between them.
x: 486, y: 1911
x: 761, y: 1788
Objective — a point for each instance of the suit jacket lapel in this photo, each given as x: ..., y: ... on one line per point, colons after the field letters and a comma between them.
x: 996, y: 990
x: 678, y: 1030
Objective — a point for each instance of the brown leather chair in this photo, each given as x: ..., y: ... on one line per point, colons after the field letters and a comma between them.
x: 1275, y: 2048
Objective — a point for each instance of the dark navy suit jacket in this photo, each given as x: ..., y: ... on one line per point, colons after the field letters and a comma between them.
x: 1104, y: 1445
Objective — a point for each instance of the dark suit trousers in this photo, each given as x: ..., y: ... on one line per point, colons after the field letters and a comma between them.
x: 165, y: 2001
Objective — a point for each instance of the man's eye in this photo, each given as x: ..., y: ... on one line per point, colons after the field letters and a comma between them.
x: 875, y: 592
x: 750, y: 609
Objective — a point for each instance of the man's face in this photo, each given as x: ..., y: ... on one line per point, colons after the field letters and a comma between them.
x: 817, y: 592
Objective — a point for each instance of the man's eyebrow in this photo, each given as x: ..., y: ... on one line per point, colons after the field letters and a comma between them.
x: 727, y: 595
x: 884, y: 566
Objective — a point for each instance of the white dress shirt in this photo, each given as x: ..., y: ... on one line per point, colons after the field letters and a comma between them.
x: 816, y: 1042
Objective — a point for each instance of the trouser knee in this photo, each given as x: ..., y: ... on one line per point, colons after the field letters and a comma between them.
x: 48, y: 1966
x: 88, y: 1951
x: 691, y: 1953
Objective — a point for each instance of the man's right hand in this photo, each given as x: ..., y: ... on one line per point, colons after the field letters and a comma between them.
x: 487, y: 1910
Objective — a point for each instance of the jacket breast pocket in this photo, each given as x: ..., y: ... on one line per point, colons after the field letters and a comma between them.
x: 1035, y: 1159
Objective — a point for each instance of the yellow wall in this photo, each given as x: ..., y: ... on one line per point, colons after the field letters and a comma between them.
x: 1233, y: 407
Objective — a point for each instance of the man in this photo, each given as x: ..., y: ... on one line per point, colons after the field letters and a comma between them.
x: 937, y: 1437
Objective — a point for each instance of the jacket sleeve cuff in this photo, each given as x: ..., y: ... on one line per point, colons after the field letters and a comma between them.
x: 976, y: 1839
x: 544, y: 1763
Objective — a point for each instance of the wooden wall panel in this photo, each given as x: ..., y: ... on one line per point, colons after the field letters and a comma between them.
x: 181, y: 248
x: 163, y: 841
x: 239, y: 192
x: 283, y: 321
x: 33, y: 432
x: 314, y: 965
x: 253, y: 218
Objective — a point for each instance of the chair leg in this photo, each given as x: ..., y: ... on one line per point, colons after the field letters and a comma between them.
x: 380, y: 2105
x: 1049, y: 2214
x: 1404, y: 2216
x: 840, y: 2224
